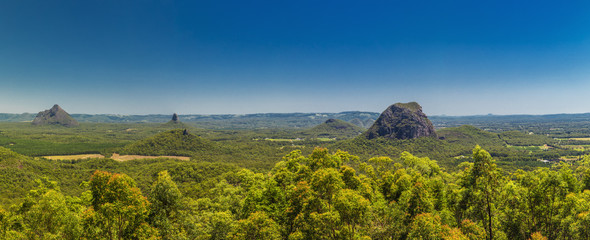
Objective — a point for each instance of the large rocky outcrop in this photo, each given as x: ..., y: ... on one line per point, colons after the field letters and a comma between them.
x: 55, y: 116
x: 402, y: 121
x: 175, y: 122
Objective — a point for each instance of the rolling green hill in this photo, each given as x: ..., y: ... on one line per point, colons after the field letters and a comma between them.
x: 177, y: 142
x: 14, y: 171
x: 19, y: 174
x: 334, y: 128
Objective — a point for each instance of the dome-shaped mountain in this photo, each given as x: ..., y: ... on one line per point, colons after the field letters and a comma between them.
x: 335, y: 128
x: 402, y: 121
x: 55, y: 116
x: 177, y: 142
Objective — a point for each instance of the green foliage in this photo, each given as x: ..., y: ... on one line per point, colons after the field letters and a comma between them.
x: 86, y: 138
x: 176, y: 142
x: 118, y: 209
x: 51, y: 218
x: 17, y: 175
x: 471, y: 230
x: 165, y: 199
x: 247, y: 148
x: 426, y: 226
x: 352, y: 208
x: 518, y: 138
x: 334, y: 128
x: 481, y: 184
x: 257, y: 226
x: 310, y: 193
x: 469, y: 136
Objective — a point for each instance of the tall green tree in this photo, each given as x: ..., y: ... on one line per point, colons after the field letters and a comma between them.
x: 481, y: 185
x: 165, y: 204
x: 51, y: 218
x: 353, y: 210
x: 118, y: 209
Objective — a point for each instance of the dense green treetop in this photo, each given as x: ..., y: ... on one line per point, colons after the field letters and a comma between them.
x: 321, y: 195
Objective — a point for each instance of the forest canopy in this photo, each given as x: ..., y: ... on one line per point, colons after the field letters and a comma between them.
x: 323, y: 195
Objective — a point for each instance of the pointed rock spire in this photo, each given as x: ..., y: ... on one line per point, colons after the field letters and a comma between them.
x: 55, y: 115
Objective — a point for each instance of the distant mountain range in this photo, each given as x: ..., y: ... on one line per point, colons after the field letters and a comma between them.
x: 235, y: 121
x: 308, y: 120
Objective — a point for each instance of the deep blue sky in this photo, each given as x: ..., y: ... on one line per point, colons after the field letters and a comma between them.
x: 201, y: 57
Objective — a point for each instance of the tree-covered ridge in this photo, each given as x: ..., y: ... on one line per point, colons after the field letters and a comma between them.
x: 334, y: 128
x: 17, y: 175
x: 177, y: 142
x: 319, y: 196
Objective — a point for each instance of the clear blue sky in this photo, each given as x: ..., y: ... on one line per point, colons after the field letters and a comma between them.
x: 215, y: 56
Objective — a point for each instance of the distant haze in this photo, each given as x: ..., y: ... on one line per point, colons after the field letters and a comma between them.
x: 216, y: 57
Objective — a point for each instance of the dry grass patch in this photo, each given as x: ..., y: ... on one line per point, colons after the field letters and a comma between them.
x: 581, y: 139
x: 122, y: 158
x: 115, y: 157
x: 74, y: 157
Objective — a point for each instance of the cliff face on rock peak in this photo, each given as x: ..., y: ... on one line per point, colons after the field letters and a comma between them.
x: 401, y: 121
x: 56, y: 116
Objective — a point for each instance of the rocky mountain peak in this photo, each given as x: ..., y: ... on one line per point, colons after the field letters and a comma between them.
x: 56, y: 108
x: 55, y: 116
x: 402, y: 121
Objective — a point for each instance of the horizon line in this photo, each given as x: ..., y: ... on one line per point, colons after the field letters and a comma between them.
x: 236, y: 114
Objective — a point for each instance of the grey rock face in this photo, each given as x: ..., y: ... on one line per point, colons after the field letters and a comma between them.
x: 56, y: 116
x: 402, y: 121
